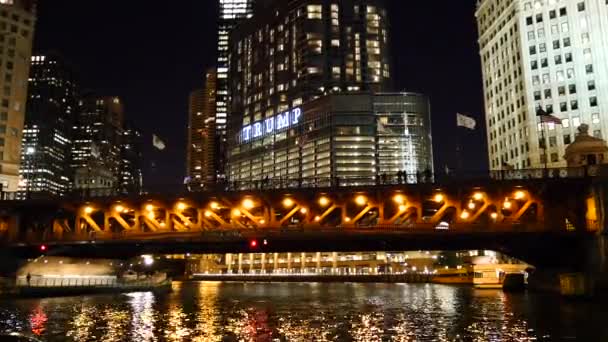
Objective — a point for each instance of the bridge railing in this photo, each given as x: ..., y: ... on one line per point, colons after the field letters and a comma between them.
x: 45, y: 281
x: 267, y: 183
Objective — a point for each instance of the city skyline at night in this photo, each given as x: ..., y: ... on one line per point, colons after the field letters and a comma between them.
x: 190, y: 44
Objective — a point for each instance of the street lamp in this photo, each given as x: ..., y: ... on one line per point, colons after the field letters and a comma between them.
x: 248, y: 204
x: 288, y: 203
x: 399, y: 199
x: 361, y: 200
x: 324, y: 201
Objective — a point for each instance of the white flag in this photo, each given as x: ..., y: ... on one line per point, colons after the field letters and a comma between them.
x: 381, y: 127
x: 158, y: 143
x: 465, y: 121
x: 95, y: 150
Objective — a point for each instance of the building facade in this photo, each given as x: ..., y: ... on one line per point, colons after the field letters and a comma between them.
x: 97, y: 132
x: 295, y: 51
x: 47, y: 139
x: 542, y: 54
x: 131, y: 174
x: 287, y: 66
x: 350, y: 138
x: 202, y: 151
x: 17, y: 22
x: 318, y: 263
x: 231, y: 13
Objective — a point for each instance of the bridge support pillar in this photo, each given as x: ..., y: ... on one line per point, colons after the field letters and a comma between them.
x: 587, y: 275
x: 302, y: 262
x: 334, y: 262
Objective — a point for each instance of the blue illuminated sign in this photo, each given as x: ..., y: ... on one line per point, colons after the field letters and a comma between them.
x: 271, y: 125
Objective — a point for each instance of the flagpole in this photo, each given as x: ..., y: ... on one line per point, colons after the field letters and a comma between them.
x: 459, y: 150
x: 543, y: 127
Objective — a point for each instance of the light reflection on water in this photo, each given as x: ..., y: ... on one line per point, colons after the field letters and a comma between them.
x: 205, y: 312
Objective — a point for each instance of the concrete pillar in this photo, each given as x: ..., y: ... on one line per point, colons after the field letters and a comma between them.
x: 303, y: 262
x: 275, y: 262
x: 229, y: 263
x: 263, y: 263
x: 334, y: 262
x: 318, y: 262
x: 240, y: 269
x: 288, y: 262
x: 251, y: 266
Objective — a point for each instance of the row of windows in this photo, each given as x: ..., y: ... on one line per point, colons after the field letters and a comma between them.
x: 561, y: 90
x: 564, y: 105
x: 552, y: 15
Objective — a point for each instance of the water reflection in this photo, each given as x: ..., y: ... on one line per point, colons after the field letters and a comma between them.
x: 38, y: 321
x: 143, y: 316
x: 205, y: 312
x: 84, y: 322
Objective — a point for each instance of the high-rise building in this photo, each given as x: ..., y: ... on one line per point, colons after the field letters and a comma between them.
x: 202, y: 152
x: 17, y: 21
x: 131, y: 176
x: 231, y: 13
x: 283, y: 65
x: 292, y: 52
x: 338, y: 139
x: 47, y: 141
x: 97, y: 137
x: 542, y: 54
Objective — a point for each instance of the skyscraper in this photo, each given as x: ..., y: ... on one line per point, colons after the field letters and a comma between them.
x: 550, y: 55
x: 232, y: 12
x: 96, y: 150
x: 308, y: 84
x: 293, y: 52
x: 131, y: 175
x: 202, y: 157
x: 50, y: 113
x: 17, y: 21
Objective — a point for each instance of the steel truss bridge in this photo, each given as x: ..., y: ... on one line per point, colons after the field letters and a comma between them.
x: 529, y: 218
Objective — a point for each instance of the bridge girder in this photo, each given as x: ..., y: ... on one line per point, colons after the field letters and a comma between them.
x: 494, y: 207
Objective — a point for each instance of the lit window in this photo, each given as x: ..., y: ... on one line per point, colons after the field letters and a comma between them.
x: 315, y: 12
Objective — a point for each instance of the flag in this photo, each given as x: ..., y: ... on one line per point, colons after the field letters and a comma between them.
x: 546, y: 117
x: 380, y: 126
x: 158, y: 143
x: 95, y: 150
x: 465, y: 121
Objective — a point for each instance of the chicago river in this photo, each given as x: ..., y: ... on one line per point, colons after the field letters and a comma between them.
x: 216, y: 311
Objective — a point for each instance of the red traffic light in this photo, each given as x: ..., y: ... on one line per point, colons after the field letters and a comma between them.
x: 253, y: 243
x: 43, y: 248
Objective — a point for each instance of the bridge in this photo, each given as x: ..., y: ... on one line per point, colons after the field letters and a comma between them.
x: 547, y: 218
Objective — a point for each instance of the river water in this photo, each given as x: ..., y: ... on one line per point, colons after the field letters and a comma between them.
x: 199, y: 311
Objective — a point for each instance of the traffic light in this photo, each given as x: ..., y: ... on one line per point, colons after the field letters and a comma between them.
x: 43, y: 248
x: 253, y: 243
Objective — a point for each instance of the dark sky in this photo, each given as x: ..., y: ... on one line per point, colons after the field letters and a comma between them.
x: 152, y: 53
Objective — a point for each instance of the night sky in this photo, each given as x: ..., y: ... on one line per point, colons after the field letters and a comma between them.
x: 153, y: 53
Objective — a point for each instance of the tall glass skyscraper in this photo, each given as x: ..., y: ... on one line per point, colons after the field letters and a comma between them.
x: 231, y: 13
x: 50, y: 113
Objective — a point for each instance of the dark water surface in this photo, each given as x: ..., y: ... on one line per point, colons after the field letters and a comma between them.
x: 309, y: 312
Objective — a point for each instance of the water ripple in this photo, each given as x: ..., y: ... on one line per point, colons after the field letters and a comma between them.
x: 214, y: 312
